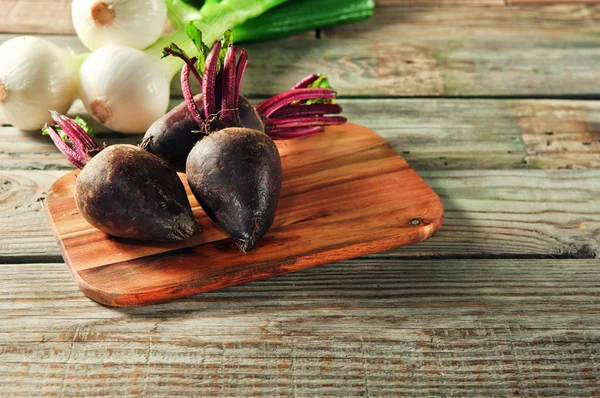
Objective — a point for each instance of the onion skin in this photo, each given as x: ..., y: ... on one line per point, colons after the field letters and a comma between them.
x: 124, y: 89
x: 132, y: 23
x: 127, y: 192
x: 173, y: 136
x: 35, y: 76
x: 236, y: 175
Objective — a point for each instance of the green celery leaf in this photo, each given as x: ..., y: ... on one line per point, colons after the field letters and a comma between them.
x: 82, y: 123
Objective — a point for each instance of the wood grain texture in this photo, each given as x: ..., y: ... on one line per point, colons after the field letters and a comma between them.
x: 356, y: 328
x: 346, y: 193
x: 548, y: 23
x: 438, y: 3
x: 26, y: 16
x: 452, y: 51
x: 499, y: 213
x: 23, y: 227
x: 388, y: 325
x: 431, y: 134
x: 40, y: 16
x: 476, y: 51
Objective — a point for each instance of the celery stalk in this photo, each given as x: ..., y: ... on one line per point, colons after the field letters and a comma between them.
x: 216, y: 16
x: 302, y: 15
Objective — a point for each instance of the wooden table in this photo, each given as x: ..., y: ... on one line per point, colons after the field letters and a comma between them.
x: 494, y: 104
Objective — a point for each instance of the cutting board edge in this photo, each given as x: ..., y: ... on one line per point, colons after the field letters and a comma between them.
x: 325, y: 255
x: 159, y: 295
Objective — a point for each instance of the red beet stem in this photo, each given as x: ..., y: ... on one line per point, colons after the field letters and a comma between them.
x: 307, y: 110
x: 307, y: 81
x: 189, y: 96
x: 189, y: 62
x: 307, y: 121
x: 73, y: 155
x: 228, y: 111
x: 269, y: 106
x: 209, y: 80
x: 239, y: 75
x: 284, y: 134
x: 75, y: 132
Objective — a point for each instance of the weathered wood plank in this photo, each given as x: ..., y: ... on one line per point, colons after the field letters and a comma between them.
x: 547, y: 2
x: 559, y: 135
x: 28, y: 16
x: 451, y: 23
x: 520, y: 213
x: 36, y: 16
x: 368, y: 327
x: 430, y: 134
x: 438, y: 3
x: 452, y: 51
x: 473, y: 51
x: 24, y: 230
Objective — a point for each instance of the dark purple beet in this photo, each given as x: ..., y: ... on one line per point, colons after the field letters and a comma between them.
x: 173, y: 136
x: 235, y: 174
x: 124, y: 190
x: 235, y: 169
x: 127, y: 192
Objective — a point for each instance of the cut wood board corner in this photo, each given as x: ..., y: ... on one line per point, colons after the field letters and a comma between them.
x: 346, y: 193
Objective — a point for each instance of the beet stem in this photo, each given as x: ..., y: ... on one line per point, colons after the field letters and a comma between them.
x: 75, y: 132
x: 228, y: 84
x: 307, y: 81
x: 189, y: 96
x: 294, y: 133
x: 269, y: 106
x: 239, y: 76
x: 190, y: 62
x: 75, y: 155
x: 307, y: 110
x: 307, y: 121
x: 209, y: 80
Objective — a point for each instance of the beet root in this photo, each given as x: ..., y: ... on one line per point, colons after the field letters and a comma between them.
x: 127, y: 192
x: 173, y: 136
x: 124, y: 190
x: 235, y: 174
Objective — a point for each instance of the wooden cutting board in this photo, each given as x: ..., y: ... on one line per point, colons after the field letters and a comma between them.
x: 346, y: 193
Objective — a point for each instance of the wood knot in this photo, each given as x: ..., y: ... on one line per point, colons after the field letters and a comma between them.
x: 103, y: 13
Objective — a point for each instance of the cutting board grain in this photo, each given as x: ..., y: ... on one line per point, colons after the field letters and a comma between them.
x: 346, y: 193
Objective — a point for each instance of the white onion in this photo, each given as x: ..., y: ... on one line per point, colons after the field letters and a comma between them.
x: 35, y: 76
x: 132, y: 23
x: 124, y: 88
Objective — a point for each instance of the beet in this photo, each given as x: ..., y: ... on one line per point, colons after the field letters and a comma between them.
x: 234, y: 170
x: 124, y: 190
x: 173, y: 136
x: 297, y: 112
x: 235, y: 174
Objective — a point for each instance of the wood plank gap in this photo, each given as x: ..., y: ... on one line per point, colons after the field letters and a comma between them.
x: 43, y: 259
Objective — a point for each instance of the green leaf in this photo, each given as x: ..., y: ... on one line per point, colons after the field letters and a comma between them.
x: 227, y: 38
x: 226, y: 41
x: 82, y: 123
x: 62, y: 134
x: 321, y: 82
x: 192, y: 31
x: 85, y: 126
